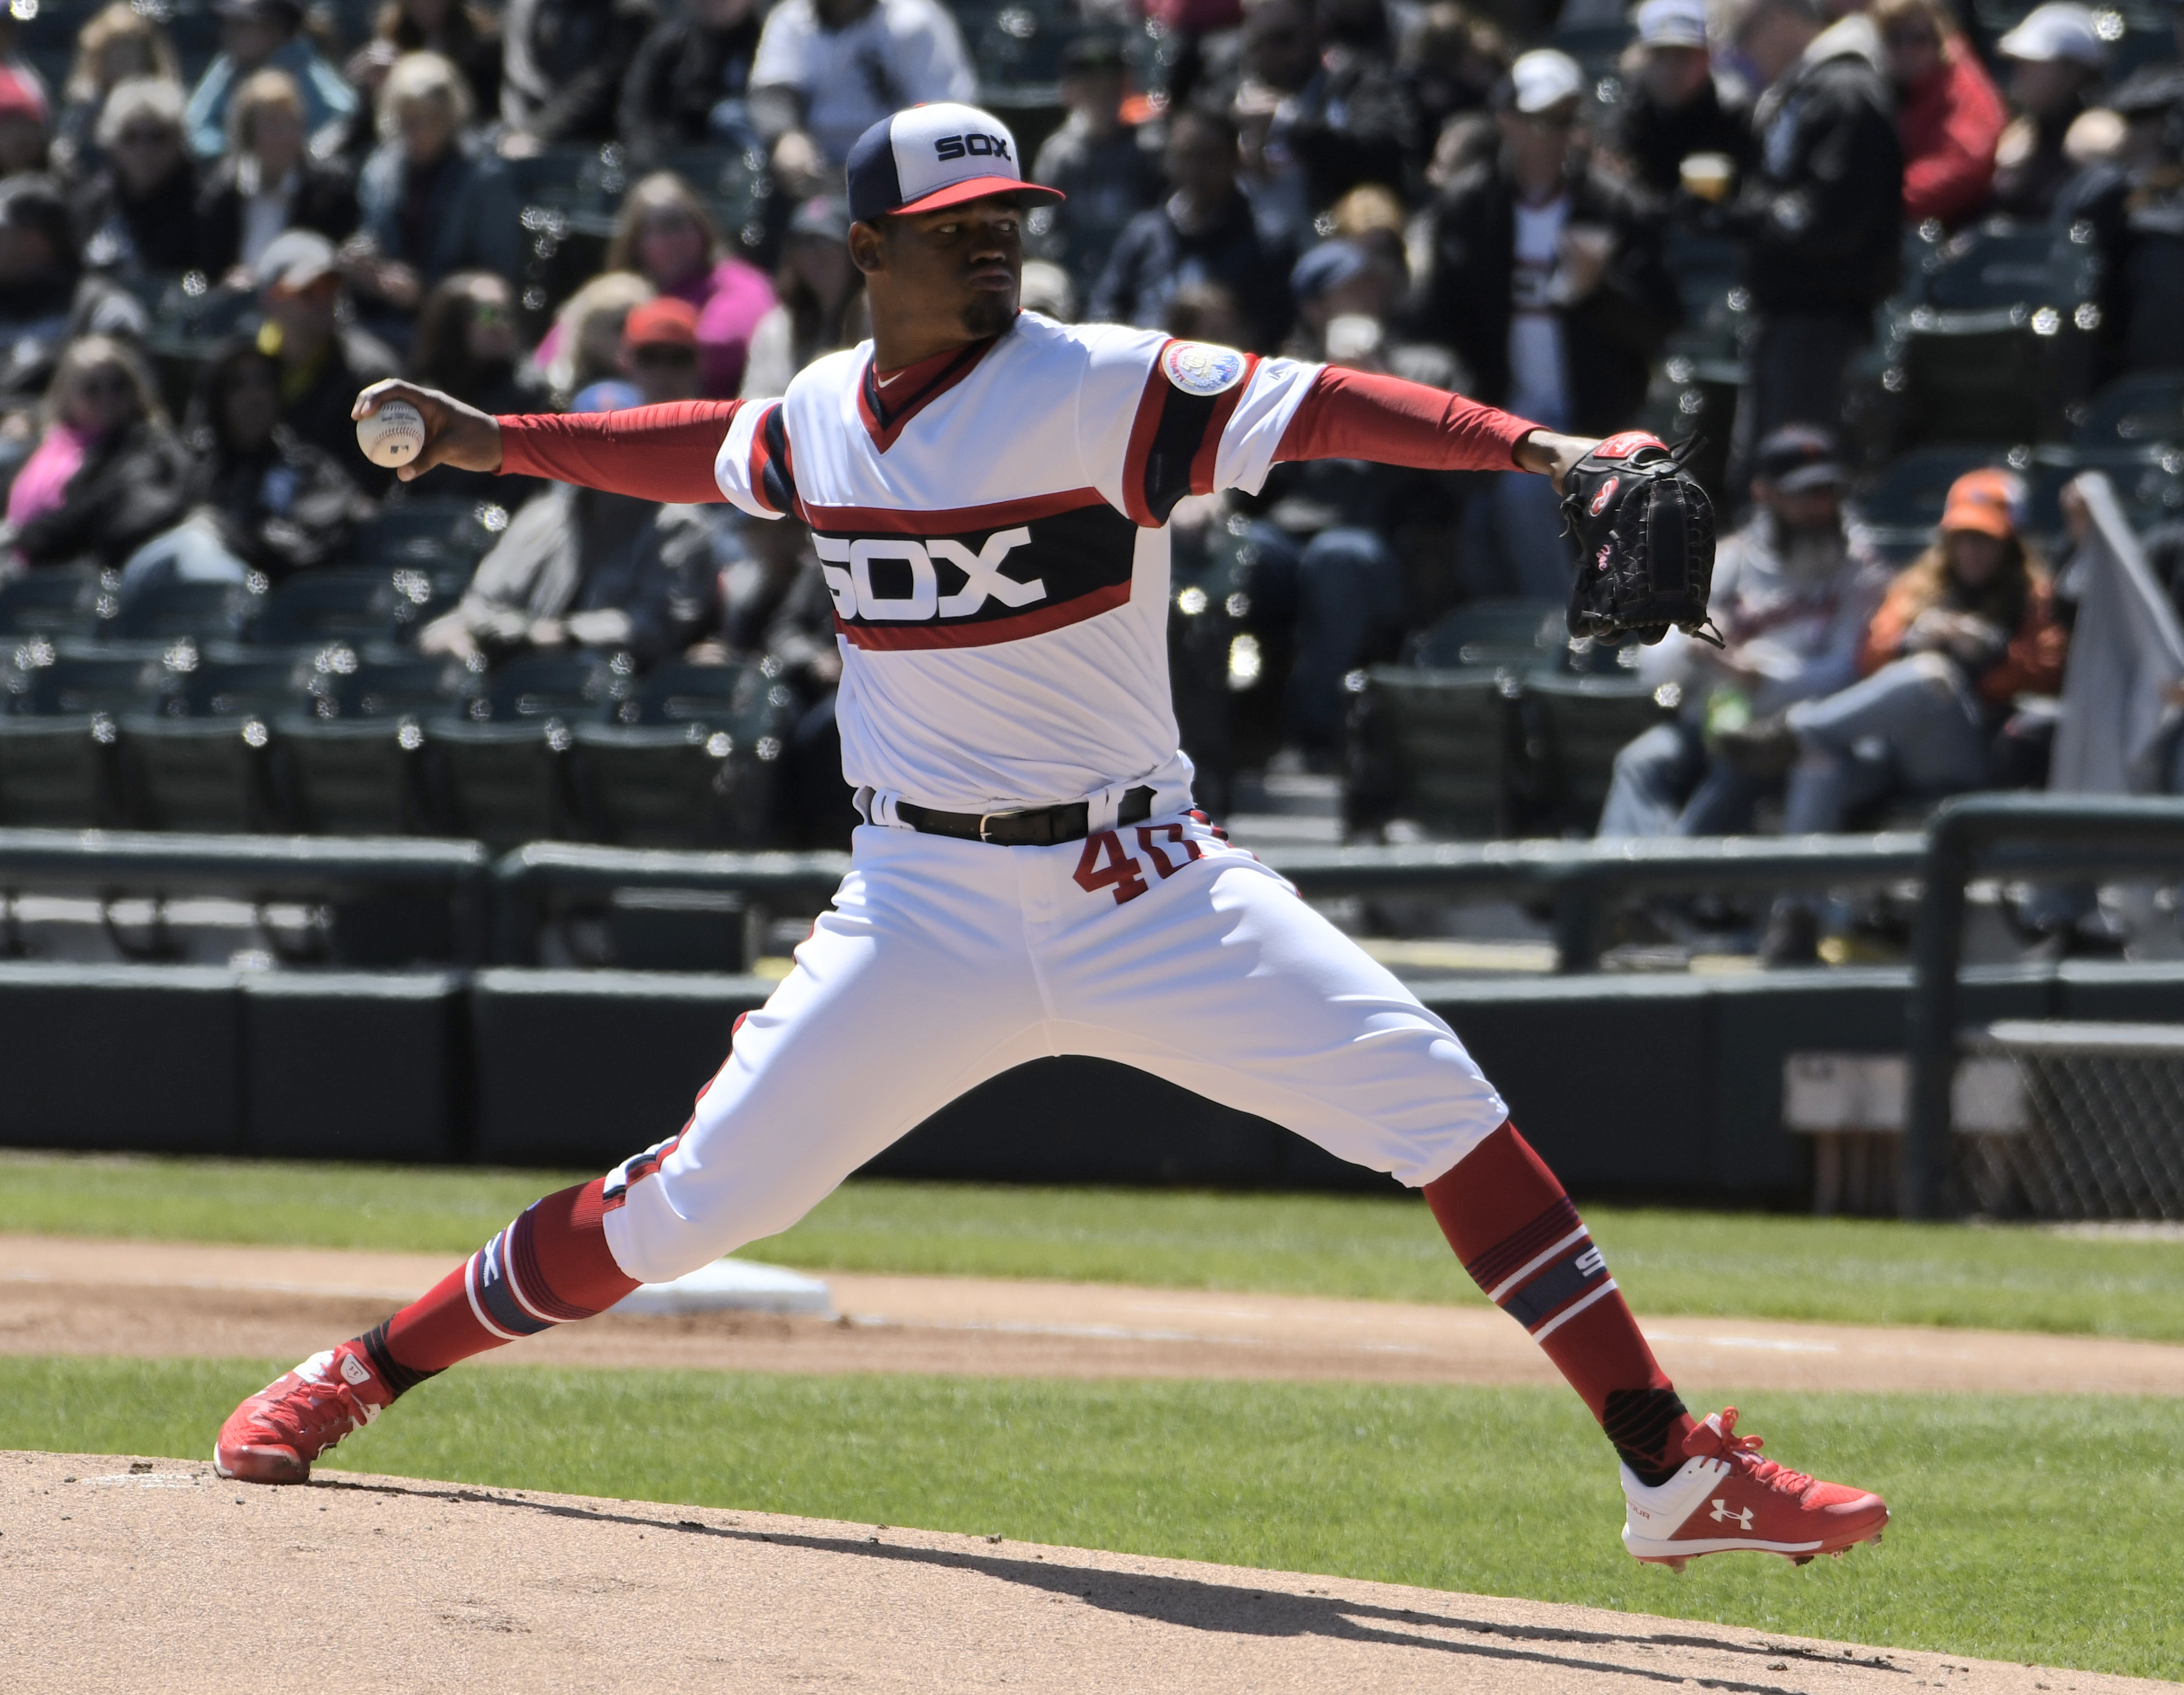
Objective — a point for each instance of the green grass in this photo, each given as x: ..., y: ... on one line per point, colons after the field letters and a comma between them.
x: 1727, y: 1263
x: 2026, y: 1530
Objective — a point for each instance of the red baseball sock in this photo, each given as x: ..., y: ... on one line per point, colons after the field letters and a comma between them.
x: 1521, y: 1238
x: 550, y: 1266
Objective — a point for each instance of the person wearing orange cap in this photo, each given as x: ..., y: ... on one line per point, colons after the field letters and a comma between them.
x: 1961, y: 634
x: 660, y: 351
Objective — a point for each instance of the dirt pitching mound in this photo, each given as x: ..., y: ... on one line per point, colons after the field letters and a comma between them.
x: 154, y: 1574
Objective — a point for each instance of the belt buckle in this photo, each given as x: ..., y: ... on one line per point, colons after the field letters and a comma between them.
x: 983, y: 819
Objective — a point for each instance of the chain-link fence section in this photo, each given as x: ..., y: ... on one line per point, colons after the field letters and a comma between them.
x: 2101, y: 1130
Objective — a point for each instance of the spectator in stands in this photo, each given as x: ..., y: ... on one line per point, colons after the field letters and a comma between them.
x: 47, y: 300
x: 268, y: 181
x: 466, y: 347
x: 1545, y: 278
x: 1336, y: 281
x: 1353, y: 121
x: 1822, y: 215
x: 2056, y: 56
x: 828, y: 70
x: 598, y: 569
x: 820, y: 300
x: 324, y: 359
x: 1203, y: 231
x: 256, y: 35
x: 1961, y: 633
x: 432, y: 201
x: 25, y: 139
x: 1674, y: 105
x: 663, y: 233
x: 1450, y: 60
x: 137, y: 216
x: 1097, y: 160
x: 259, y: 499
x: 689, y: 82
x: 563, y: 65
x: 119, y: 42
x: 1946, y: 111
x: 2135, y: 206
x: 107, y: 473
x: 1793, y: 592
x: 467, y: 36
x: 584, y: 347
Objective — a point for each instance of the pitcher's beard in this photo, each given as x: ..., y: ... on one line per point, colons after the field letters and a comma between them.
x: 989, y: 314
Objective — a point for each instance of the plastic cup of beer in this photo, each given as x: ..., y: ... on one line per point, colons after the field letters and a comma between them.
x: 1710, y: 175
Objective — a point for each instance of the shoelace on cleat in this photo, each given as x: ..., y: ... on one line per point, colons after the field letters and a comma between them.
x: 1744, y: 1452
x: 311, y: 1411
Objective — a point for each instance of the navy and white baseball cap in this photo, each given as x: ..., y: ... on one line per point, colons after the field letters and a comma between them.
x: 929, y: 157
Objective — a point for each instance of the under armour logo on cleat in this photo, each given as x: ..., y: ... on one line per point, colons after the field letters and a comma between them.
x: 1722, y: 1515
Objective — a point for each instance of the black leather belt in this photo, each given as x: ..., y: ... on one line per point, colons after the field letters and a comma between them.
x: 1041, y: 827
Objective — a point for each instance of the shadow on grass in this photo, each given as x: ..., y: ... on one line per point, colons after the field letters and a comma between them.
x: 1195, y: 1603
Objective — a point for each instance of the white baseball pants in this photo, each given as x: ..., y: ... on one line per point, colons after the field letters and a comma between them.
x: 943, y: 962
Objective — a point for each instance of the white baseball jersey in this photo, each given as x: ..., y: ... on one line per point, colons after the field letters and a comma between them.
x: 993, y: 539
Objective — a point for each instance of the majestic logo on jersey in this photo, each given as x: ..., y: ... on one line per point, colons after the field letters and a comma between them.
x: 976, y: 146
x: 1198, y: 369
x: 996, y: 583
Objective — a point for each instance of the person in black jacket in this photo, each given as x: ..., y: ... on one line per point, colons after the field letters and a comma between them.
x: 2133, y: 204
x: 46, y: 299
x: 1203, y: 232
x: 1822, y: 214
x: 268, y: 182
x: 1546, y: 278
x: 686, y: 84
x: 1675, y: 105
x: 563, y: 65
x: 259, y: 498
x: 324, y: 361
x: 1354, y: 121
x: 134, y: 216
x: 108, y: 474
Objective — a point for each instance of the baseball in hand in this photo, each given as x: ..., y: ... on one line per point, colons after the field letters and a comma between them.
x: 394, y: 435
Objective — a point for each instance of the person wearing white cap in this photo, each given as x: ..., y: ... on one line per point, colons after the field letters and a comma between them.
x: 1546, y: 278
x: 1822, y: 214
x: 1674, y: 105
x: 2055, y: 60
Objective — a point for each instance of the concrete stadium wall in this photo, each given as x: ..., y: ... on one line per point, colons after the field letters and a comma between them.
x: 1640, y: 1085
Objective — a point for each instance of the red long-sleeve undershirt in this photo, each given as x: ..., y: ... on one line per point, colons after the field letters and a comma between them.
x: 666, y: 453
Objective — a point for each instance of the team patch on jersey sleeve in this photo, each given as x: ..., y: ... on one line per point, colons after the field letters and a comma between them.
x: 1197, y: 368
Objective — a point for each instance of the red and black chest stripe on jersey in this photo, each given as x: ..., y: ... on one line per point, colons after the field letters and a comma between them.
x: 974, y: 576
x: 1173, y: 441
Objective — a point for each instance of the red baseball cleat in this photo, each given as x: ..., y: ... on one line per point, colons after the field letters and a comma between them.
x: 1726, y: 1496
x: 274, y: 1436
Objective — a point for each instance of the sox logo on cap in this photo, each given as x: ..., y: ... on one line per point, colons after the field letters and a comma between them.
x: 929, y: 157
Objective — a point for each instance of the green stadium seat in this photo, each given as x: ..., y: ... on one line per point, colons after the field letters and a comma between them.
x: 69, y: 678
x: 389, y: 684
x: 354, y: 776
x: 1524, y: 633
x: 1439, y: 749
x: 567, y: 685
x: 208, y: 774
x: 1575, y: 726
x: 59, y: 773
x: 502, y: 783
x: 203, y: 610
x: 56, y: 602
x: 355, y: 604
x: 668, y: 786
x: 2135, y: 411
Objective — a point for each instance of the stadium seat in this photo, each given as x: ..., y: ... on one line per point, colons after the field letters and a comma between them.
x: 353, y: 777
x: 229, y: 680
x: 355, y: 604
x: 69, y: 678
x: 388, y: 684
x: 1493, y: 632
x: 1999, y: 266
x: 426, y: 532
x: 1900, y: 505
x: 1575, y: 727
x: 1972, y: 377
x: 1439, y: 745
x: 502, y: 783
x: 59, y: 773
x: 668, y: 786
x: 211, y: 774
x: 202, y: 610
x: 56, y: 602
x: 2135, y: 411
x: 570, y: 685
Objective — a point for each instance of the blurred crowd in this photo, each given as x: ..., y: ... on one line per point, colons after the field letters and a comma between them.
x: 213, y: 231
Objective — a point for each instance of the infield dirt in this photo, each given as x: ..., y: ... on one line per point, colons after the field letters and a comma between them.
x: 161, y: 1299
x: 128, y: 1574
